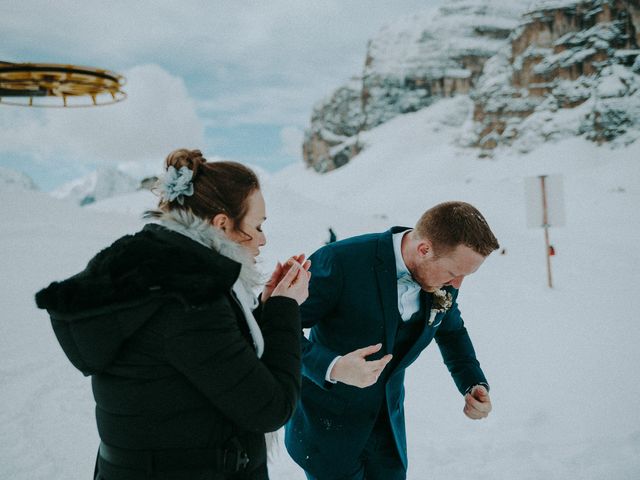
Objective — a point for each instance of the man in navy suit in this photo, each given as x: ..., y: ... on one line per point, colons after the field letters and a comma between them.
x: 375, y: 302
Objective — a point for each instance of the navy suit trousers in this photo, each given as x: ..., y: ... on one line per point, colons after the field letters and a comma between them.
x: 379, y: 460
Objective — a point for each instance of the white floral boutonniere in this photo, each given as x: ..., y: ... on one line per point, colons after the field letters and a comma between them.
x: 442, y: 301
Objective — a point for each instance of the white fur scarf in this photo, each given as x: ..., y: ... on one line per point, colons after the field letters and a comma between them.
x: 201, y: 231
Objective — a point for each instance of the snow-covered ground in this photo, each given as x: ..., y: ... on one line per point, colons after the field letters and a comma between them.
x: 562, y: 362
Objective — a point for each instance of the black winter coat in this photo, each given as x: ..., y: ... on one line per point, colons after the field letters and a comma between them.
x: 153, y: 320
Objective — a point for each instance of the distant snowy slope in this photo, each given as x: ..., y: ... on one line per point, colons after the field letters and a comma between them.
x: 285, y: 207
x: 405, y: 165
x: 103, y: 183
x: 133, y: 203
x: 13, y: 179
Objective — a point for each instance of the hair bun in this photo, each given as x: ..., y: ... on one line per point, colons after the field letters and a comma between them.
x: 192, y: 159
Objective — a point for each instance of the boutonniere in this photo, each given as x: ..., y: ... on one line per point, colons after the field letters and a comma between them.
x: 442, y: 301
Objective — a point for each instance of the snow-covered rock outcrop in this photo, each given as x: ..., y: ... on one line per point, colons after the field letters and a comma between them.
x: 571, y: 69
x: 103, y: 183
x: 13, y: 179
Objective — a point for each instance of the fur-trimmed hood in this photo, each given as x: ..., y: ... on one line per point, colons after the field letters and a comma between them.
x: 192, y: 226
x: 95, y: 311
x: 157, y: 260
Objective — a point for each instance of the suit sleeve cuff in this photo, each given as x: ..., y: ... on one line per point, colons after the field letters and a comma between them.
x: 484, y: 384
x: 327, y: 377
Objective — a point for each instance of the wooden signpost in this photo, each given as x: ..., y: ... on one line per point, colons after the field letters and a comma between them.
x: 545, y: 208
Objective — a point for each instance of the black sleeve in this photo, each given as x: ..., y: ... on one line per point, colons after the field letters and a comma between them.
x: 325, y: 288
x: 457, y: 350
x: 207, y: 347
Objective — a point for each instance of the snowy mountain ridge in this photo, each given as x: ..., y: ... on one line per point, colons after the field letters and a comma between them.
x: 535, y: 73
x: 103, y: 183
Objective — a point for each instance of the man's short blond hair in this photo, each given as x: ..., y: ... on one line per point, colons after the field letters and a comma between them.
x: 450, y: 224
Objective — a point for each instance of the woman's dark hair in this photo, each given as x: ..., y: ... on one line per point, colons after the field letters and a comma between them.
x: 218, y: 187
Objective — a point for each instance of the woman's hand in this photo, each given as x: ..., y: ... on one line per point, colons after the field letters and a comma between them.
x: 295, y: 282
x: 279, y: 272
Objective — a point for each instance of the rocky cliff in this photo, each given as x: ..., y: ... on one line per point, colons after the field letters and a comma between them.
x: 561, y: 68
x: 410, y: 64
x: 572, y: 66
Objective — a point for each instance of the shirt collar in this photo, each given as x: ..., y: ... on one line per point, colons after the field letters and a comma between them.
x: 401, y: 267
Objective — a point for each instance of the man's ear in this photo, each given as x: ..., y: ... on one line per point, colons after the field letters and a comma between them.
x: 221, y: 221
x: 425, y: 248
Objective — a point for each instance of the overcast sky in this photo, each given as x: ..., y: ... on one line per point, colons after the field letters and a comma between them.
x: 237, y: 79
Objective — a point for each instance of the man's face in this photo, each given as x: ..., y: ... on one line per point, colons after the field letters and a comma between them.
x: 433, y: 272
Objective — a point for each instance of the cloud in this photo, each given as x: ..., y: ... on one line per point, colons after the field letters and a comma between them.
x: 157, y: 117
x: 223, y: 47
x: 196, y: 70
x: 262, y: 105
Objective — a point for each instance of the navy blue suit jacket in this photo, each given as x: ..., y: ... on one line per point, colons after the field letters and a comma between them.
x: 353, y: 303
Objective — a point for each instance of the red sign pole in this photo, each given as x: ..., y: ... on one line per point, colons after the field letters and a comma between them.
x: 545, y: 224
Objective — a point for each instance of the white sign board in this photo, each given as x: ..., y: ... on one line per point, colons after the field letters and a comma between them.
x: 554, y: 198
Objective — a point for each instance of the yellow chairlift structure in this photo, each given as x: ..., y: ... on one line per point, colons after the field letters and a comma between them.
x: 57, y: 85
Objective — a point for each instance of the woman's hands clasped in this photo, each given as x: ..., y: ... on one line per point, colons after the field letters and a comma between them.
x: 289, y: 280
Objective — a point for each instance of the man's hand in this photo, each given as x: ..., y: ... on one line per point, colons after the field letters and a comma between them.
x: 477, y: 403
x: 353, y: 369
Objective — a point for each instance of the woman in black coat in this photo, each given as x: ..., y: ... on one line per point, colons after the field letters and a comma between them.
x: 189, y: 370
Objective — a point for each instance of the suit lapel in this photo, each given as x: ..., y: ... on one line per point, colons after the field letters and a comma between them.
x: 425, y: 332
x: 388, y: 298
x: 388, y: 286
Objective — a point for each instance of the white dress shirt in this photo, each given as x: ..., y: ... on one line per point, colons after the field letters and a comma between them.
x: 408, y: 289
